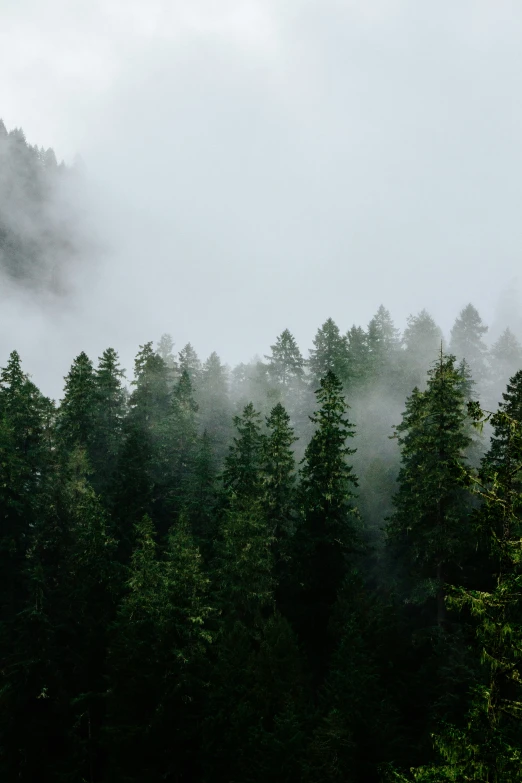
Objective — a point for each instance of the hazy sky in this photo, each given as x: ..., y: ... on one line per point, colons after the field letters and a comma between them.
x: 257, y: 165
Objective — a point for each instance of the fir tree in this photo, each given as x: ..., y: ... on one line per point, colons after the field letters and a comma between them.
x: 467, y: 341
x: 358, y: 369
x: 432, y: 503
x: 383, y: 342
x: 422, y: 340
x: 190, y: 363
x: 215, y: 409
x: 76, y: 414
x: 285, y: 363
x: 328, y: 531
x: 329, y: 354
x: 109, y: 414
x: 488, y: 745
x: 242, y: 479
x: 158, y: 641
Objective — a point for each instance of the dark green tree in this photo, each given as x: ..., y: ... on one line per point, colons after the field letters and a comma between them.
x: 487, y: 746
x: 76, y: 414
x: 429, y: 524
x: 242, y: 477
x: 54, y: 699
x: 158, y: 643
x: 109, y: 415
x: 327, y: 534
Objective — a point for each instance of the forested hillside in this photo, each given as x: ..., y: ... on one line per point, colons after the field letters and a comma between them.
x: 36, y: 238
x: 306, y: 568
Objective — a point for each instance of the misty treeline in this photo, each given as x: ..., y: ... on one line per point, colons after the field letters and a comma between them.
x: 254, y: 575
x: 38, y: 234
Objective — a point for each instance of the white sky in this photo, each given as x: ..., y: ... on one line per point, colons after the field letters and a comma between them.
x: 255, y: 166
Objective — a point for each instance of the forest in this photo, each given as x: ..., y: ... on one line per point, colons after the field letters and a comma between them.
x: 303, y: 568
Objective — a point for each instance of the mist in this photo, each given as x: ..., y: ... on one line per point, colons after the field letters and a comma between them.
x: 268, y: 167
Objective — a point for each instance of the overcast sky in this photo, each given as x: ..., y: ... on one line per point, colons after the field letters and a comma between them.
x: 256, y: 165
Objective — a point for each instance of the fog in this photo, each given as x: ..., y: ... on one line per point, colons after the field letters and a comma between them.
x: 255, y: 166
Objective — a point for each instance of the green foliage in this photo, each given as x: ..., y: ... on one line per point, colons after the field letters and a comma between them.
x: 76, y: 414
x: 327, y: 534
x: 285, y: 363
x: 383, y: 341
x: 296, y: 645
x: 242, y: 473
x: 329, y: 354
x: 158, y: 641
x: 428, y: 527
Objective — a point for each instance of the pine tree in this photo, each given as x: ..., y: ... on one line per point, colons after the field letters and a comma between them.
x: 140, y: 469
x: 149, y: 401
x: 177, y: 449
x: 506, y: 354
x: 215, y: 409
x: 25, y: 466
x: 278, y: 465
x: 285, y: 363
x: 505, y: 358
x: 329, y: 354
x: 76, y: 414
x: 488, y: 745
x: 279, y: 496
x: 383, y: 342
x: 422, y: 340
x: 190, y: 363
x: 55, y: 699
x: 358, y: 370
x: 242, y: 478
x: 158, y: 641
x: 467, y: 342
x: 109, y: 414
x: 432, y: 503
x: 328, y: 531
x: 201, y: 495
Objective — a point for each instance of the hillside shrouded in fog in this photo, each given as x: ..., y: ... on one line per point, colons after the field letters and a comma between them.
x: 271, y: 164
x: 254, y: 525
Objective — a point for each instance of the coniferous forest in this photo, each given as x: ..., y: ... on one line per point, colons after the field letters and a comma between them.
x: 303, y: 568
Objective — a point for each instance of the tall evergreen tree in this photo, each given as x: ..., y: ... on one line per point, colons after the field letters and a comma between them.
x: 285, y: 363
x: 215, y: 409
x: 57, y: 673
x: 383, y: 343
x: 190, y: 363
x: 242, y: 478
x: 109, y: 414
x: 432, y: 503
x: 75, y: 423
x: 158, y: 642
x: 467, y: 342
x: 358, y: 359
x: 177, y: 449
x: 328, y: 531
x: 422, y: 340
x: 329, y: 354
x: 488, y: 745
x: 140, y: 469
x: 25, y: 466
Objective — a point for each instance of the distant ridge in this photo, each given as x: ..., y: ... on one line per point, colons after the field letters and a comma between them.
x: 35, y: 237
